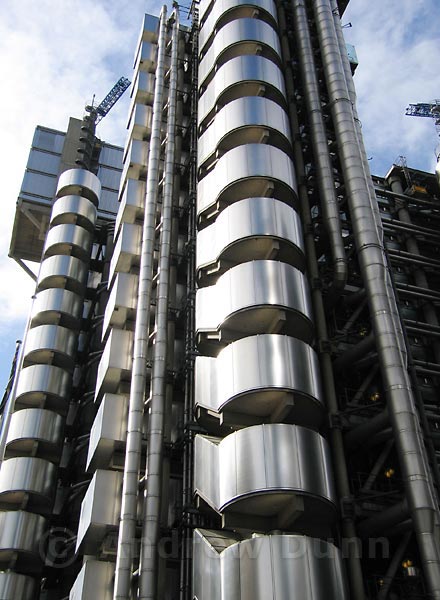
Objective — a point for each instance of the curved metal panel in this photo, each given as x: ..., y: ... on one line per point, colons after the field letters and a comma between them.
x: 239, y: 37
x: 63, y: 272
x: 14, y: 586
x: 56, y: 306
x: 26, y: 481
x: 241, y: 76
x: 71, y: 240
x: 43, y: 386
x: 264, y: 378
x: 247, y: 473
x: 264, y: 296
x: 251, y: 229
x: 266, y: 567
x: 79, y: 182
x: 224, y: 11
x: 20, y: 538
x: 35, y: 431
x: 244, y: 121
x: 243, y: 172
x: 50, y: 344
x: 74, y: 210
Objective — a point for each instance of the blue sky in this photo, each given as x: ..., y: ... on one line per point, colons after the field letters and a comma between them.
x: 56, y: 55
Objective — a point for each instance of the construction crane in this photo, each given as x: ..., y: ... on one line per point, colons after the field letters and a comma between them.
x: 88, y: 151
x: 426, y: 109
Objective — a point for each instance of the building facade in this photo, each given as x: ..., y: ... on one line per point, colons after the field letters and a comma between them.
x: 228, y: 389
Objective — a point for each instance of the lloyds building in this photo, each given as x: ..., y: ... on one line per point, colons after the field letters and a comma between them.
x: 228, y: 384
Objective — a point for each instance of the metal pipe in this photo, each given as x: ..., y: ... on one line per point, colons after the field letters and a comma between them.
x: 354, y: 353
x: 378, y: 465
x: 324, y: 168
x: 393, y: 566
x: 360, y: 433
x: 127, y: 526
x: 402, y: 411
x: 152, y: 506
x: 384, y: 519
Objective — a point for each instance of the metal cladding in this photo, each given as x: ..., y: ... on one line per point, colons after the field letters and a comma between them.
x: 13, y: 585
x: 266, y: 567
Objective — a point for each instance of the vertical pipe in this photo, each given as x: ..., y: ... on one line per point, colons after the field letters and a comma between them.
x: 403, y: 415
x: 127, y: 527
x: 393, y: 566
x: 152, y: 508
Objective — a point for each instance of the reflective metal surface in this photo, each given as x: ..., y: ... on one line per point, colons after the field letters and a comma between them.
x: 14, y: 586
x: 94, y: 575
x: 273, y: 567
x: 132, y: 203
x: 247, y: 120
x: 35, y: 431
x: 99, y: 510
x: 136, y: 159
x: 71, y: 240
x: 146, y: 57
x: 251, y: 229
x: 241, y: 76
x: 247, y: 473
x: 127, y: 249
x: 122, y: 302
x: 79, y: 182
x: 264, y: 377
x: 237, y: 38
x: 57, y: 307
x: 224, y: 11
x: 139, y: 125
x: 142, y: 90
x: 63, y: 272
x: 74, y: 210
x: 20, y: 536
x: 43, y: 386
x: 249, y: 170
x: 27, y: 482
x: 116, y: 362
x: 264, y: 296
x: 108, y: 433
x: 50, y: 344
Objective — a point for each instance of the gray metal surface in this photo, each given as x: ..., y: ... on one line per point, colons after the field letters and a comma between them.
x: 27, y: 482
x: 146, y: 57
x: 262, y: 296
x: 247, y: 473
x: 249, y: 170
x: 95, y: 575
x: 75, y: 210
x: 140, y: 122
x: 273, y: 567
x: 127, y: 250
x: 121, y: 304
x: 264, y: 376
x: 251, y: 229
x: 20, y: 538
x: 62, y: 272
x: 57, y: 307
x: 241, y: 76
x: 35, y: 431
x: 244, y: 121
x: 50, y: 344
x: 43, y: 386
x: 237, y: 38
x: 136, y: 159
x: 224, y: 11
x: 142, y: 90
x: 79, y: 182
x: 132, y: 203
x: 70, y: 240
x: 115, y: 364
x: 14, y: 586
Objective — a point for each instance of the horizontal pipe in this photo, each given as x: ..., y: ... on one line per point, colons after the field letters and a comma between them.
x: 354, y: 353
x: 355, y: 438
x: 384, y: 519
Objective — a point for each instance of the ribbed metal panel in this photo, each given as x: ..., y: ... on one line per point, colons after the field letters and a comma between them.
x: 249, y: 170
x: 57, y: 307
x: 264, y: 296
x: 273, y: 567
x: 50, y: 345
x: 224, y: 11
x: 247, y: 120
x: 35, y: 431
x: 43, y: 386
x: 247, y: 474
x: 79, y: 182
x: 27, y: 482
x: 21, y: 535
x: 239, y: 77
x: 94, y: 575
x: 74, y: 210
x: 70, y: 240
x: 251, y: 229
x: 63, y: 272
x: 263, y: 377
x: 14, y: 586
x: 237, y: 38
